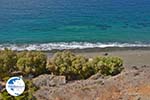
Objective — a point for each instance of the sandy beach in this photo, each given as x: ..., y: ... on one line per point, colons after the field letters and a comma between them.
x: 130, y: 56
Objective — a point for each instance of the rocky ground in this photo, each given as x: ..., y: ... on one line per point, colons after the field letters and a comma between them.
x: 131, y: 84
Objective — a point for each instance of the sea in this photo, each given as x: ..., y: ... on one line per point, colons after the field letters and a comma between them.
x: 74, y: 24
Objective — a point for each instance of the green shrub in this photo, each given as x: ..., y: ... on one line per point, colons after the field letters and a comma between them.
x: 31, y: 62
x: 8, y: 61
x: 82, y: 67
x: 68, y: 64
x: 107, y: 65
x: 78, y: 67
x: 62, y: 63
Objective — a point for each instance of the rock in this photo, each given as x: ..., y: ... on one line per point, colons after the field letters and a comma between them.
x: 105, y: 54
x: 95, y: 77
x: 135, y: 67
x: 98, y: 76
x: 49, y: 80
x: 132, y: 84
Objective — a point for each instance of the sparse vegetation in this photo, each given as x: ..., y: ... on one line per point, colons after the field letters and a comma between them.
x: 8, y: 61
x: 31, y: 62
x: 78, y: 67
x: 62, y: 63
x: 107, y: 65
x: 27, y: 62
x: 71, y: 65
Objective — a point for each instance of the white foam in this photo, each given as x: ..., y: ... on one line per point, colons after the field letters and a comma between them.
x: 63, y: 45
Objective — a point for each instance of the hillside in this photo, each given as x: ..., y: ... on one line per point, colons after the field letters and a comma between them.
x: 133, y: 84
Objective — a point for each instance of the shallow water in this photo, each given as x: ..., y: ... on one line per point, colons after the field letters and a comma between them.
x: 35, y: 23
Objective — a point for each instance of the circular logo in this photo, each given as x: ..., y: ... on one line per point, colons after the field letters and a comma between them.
x: 15, y: 86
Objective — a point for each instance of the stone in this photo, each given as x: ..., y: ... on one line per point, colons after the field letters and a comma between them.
x: 96, y: 76
x: 49, y: 80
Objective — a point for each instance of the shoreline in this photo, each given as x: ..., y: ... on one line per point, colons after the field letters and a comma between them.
x: 86, y: 46
x: 106, y: 49
x: 132, y: 56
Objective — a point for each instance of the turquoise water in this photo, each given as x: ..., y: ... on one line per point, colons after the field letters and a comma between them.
x: 58, y: 24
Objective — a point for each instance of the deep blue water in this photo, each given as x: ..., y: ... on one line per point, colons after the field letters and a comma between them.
x: 74, y: 22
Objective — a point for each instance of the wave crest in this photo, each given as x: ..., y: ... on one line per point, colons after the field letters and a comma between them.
x: 63, y: 45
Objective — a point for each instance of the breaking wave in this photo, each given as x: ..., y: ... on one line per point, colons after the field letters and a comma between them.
x: 63, y: 45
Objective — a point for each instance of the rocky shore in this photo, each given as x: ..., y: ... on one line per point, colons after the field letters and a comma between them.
x: 131, y: 84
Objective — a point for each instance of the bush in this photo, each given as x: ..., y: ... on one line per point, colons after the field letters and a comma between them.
x: 68, y: 64
x: 78, y: 67
x: 62, y: 63
x: 107, y: 65
x: 31, y: 62
x: 82, y: 67
x: 8, y: 61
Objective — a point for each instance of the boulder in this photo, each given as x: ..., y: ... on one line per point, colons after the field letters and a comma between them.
x: 49, y: 80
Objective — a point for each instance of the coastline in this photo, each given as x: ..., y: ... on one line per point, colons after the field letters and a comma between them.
x: 132, y: 56
x: 131, y: 81
x: 72, y: 46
